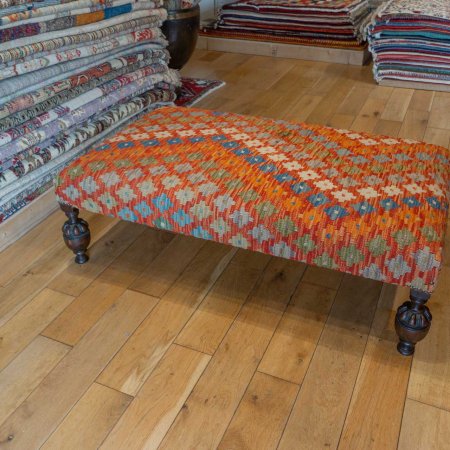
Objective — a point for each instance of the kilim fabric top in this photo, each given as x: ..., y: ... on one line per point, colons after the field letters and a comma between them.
x: 361, y: 204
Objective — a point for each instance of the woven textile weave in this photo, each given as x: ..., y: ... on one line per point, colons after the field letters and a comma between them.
x: 365, y: 205
x: 326, y: 22
x: 410, y: 41
x: 71, y: 72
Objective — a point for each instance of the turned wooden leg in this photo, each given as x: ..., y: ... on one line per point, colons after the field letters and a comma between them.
x: 412, y: 321
x: 76, y: 233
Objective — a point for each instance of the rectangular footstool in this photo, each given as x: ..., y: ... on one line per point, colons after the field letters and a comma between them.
x: 365, y: 205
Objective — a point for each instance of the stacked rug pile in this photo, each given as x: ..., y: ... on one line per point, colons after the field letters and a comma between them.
x: 410, y: 41
x: 331, y: 23
x: 71, y: 72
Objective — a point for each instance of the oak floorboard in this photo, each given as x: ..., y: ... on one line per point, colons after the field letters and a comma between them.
x: 21, y: 329
x: 430, y: 373
x: 90, y: 420
x: 161, y: 397
x: 107, y: 287
x: 77, y: 277
x: 29, y: 426
x: 397, y: 105
x: 30, y: 247
x: 382, y: 382
x: 158, y: 276
x: 424, y: 427
x: 318, y: 414
x: 370, y: 113
x: 38, y: 275
x: 439, y: 113
x: 130, y: 368
x: 295, y: 339
x: 414, y: 125
x: 389, y: 128
x: 437, y: 136
x: 212, y: 319
x: 26, y: 371
x: 219, y: 390
x: 261, y: 416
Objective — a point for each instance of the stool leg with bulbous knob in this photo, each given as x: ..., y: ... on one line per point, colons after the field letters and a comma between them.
x: 76, y: 233
x: 412, y: 322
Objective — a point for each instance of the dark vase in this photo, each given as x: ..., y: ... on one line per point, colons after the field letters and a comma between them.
x: 181, y: 30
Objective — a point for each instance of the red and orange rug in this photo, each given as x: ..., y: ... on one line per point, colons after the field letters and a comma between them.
x: 195, y: 89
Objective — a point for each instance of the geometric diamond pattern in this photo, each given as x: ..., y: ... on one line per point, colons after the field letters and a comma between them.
x: 361, y: 204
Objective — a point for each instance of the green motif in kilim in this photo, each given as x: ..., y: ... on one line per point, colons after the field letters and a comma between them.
x: 378, y: 246
x: 285, y: 226
x: 403, y: 237
x: 351, y: 255
x: 265, y: 209
x: 325, y: 260
x: 430, y: 234
x: 305, y: 243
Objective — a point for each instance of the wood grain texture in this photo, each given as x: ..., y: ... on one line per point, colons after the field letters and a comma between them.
x: 158, y: 276
x: 18, y: 332
x: 38, y: 275
x: 155, y: 407
x: 211, y: 321
x: 261, y: 415
x: 136, y: 360
x: 295, y: 339
x: 397, y: 104
x: 26, y: 219
x: 92, y: 303
x: 216, y: 396
x: 38, y: 416
x: 424, y: 427
x: 26, y: 371
x: 31, y: 247
x: 90, y: 420
x: 382, y: 382
x: 430, y: 374
x: 319, y: 411
x: 75, y: 278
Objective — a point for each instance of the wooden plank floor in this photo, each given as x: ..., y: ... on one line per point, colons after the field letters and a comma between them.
x: 175, y: 343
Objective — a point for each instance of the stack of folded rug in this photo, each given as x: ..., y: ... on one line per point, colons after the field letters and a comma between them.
x: 71, y: 72
x: 410, y: 41
x: 334, y: 23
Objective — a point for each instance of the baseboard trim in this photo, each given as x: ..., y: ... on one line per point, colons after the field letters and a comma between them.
x: 27, y: 218
x: 275, y: 49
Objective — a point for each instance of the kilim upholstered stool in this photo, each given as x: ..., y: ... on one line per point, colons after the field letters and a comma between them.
x: 369, y: 206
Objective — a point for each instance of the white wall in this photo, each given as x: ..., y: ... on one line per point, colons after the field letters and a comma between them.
x: 207, y: 9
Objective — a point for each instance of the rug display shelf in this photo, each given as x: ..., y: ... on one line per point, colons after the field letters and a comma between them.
x: 356, y: 57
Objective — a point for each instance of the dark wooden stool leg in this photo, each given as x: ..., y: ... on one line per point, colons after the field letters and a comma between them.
x: 412, y: 321
x: 76, y: 233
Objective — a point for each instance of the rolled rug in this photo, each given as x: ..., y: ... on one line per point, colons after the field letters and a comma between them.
x: 13, y: 87
x: 26, y: 189
x: 113, y: 43
x: 31, y: 106
x: 80, y: 114
x: 77, y: 102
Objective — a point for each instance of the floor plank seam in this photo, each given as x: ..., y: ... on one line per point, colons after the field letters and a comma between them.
x: 309, y: 364
x: 359, y: 368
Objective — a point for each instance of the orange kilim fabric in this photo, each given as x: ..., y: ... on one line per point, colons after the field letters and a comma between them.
x: 365, y: 205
